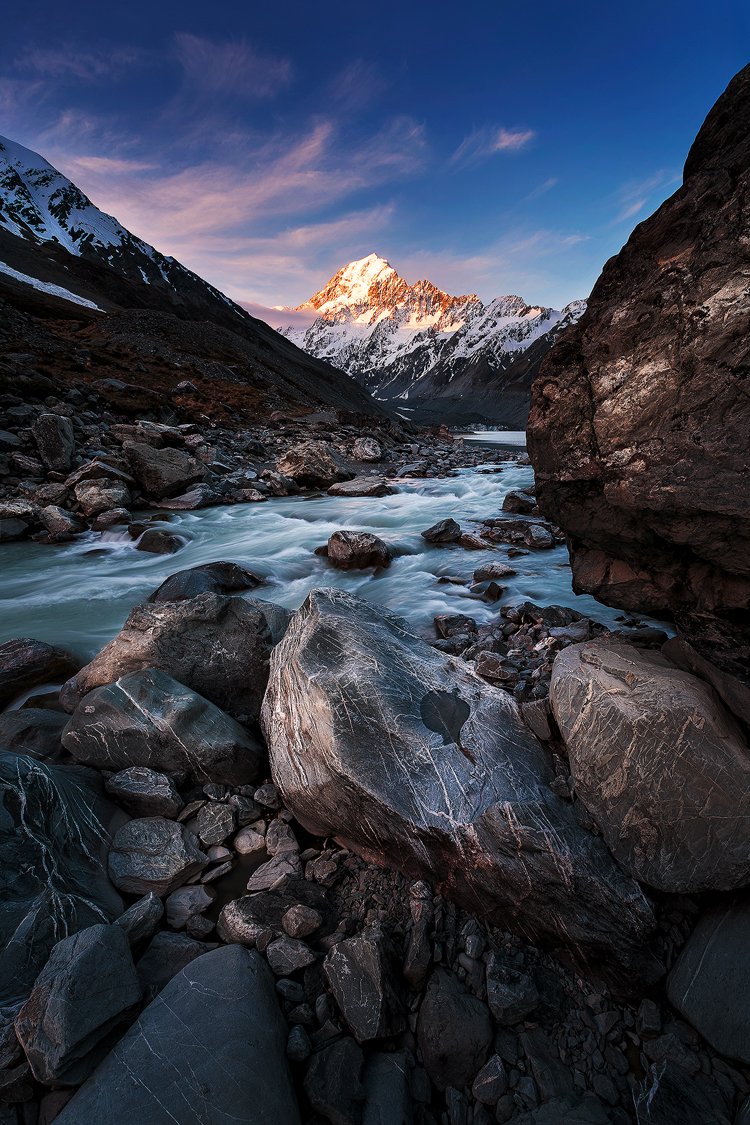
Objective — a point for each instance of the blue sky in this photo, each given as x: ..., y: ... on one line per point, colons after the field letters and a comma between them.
x: 491, y: 147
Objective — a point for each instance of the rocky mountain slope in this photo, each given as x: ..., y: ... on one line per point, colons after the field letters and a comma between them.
x: 640, y: 417
x: 415, y: 342
x: 61, y: 258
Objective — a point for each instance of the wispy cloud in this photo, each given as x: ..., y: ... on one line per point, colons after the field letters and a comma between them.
x: 485, y: 142
x: 542, y: 189
x: 69, y: 64
x: 230, y: 68
x: 357, y: 86
x: 634, y: 195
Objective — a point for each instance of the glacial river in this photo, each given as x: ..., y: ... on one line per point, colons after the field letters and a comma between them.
x: 78, y: 595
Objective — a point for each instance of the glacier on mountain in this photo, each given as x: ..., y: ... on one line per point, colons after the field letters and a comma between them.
x: 404, y: 341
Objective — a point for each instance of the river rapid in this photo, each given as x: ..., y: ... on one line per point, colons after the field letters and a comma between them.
x: 77, y: 595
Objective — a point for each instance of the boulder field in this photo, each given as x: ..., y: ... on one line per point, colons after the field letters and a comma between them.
x: 412, y: 890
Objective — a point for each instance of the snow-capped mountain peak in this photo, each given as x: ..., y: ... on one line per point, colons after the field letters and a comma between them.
x: 401, y: 340
x: 369, y: 290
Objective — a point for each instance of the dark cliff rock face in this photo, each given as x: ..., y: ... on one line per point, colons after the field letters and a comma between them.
x: 640, y: 415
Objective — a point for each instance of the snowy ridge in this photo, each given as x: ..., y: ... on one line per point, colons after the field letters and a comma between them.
x: 41, y: 205
x: 400, y: 340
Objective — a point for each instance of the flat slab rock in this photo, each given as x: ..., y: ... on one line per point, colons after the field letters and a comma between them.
x: 411, y: 760
x: 662, y: 766
x: 210, y: 1047
x: 55, y: 827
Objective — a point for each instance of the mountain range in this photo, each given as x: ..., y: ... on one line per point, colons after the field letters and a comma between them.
x: 422, y: 349
x: 377, y: 345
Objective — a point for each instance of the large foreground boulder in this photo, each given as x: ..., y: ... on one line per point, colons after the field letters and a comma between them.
x: 380, y: 740
x: 163, y: 472
x: 149, y: 719
x: 55, y: 827
x: 210, y: 1048
x: 315, y: 464
x: 216, y: 645
x: 640, y: 413
x: 662, y: 766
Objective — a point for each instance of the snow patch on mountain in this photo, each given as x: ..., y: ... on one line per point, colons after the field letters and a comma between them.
x: 47, y: 287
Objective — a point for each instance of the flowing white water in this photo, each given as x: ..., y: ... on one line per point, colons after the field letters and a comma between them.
x: 78, y: 595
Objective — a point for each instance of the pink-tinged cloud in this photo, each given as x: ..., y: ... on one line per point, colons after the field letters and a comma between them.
x: 231, y: 68
x: 508, y: 141
x: 482, y: 143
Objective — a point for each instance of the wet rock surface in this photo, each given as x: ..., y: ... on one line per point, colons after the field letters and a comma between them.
x: 148, y: 719
x: 216, y: 645
x: 25, y: 662
x: 424, y: 768
x: 357, y: 550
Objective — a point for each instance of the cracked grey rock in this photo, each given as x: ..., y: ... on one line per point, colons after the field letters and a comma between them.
x: 55, y: 441
x: 315, y: 464
x: 286, y: 955
x: 144, y: 792
x: 141, y: 919
x: 185, y: 902
x: 217, y: 646
x: 511, y: 993
x: 215, y: 821
x: 162, y: 472
x: 84, y: 989
x: 399, y: 752
x: 211, y: 1047
x: 363, y: 974
x: 153, y: 854
x: 55, y: 827
x: 270, y: 874
x: 491, y: 1082
x: 166, y: 955
x: 661, y: 765
x: 149, y: 719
